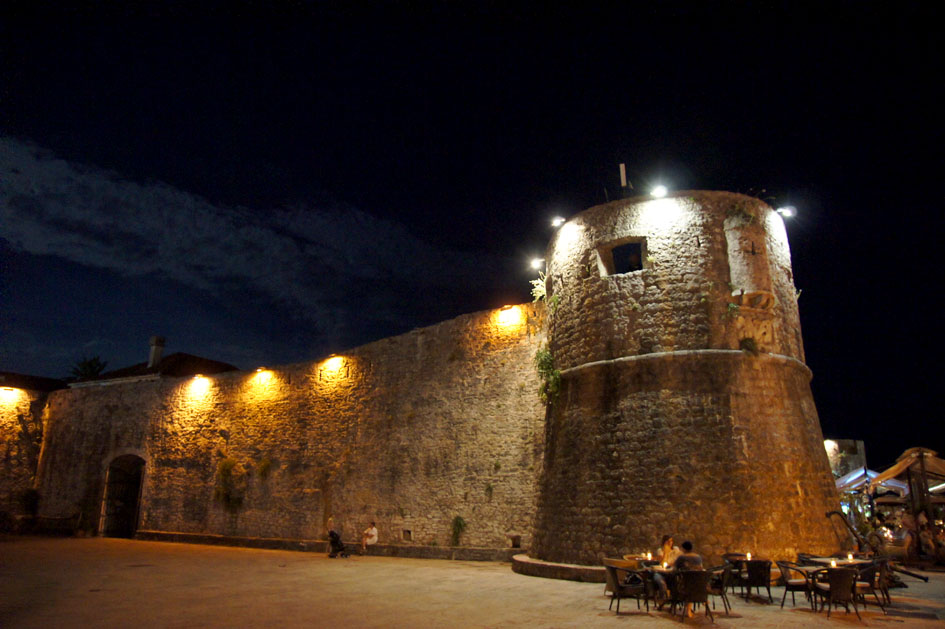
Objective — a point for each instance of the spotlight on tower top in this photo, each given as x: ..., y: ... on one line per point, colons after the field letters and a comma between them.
x: 787, y: 211
x: 658, y: 191
x: 557, y: 221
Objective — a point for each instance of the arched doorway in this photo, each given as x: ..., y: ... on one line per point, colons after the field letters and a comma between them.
x: 122, y: 491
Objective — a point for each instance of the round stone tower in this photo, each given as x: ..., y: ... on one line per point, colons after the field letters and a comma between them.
x: 685, y: 404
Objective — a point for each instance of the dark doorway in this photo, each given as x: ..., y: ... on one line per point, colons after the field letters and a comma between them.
x: 122, y: 490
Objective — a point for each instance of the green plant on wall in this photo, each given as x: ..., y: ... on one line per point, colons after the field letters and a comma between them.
x: 231, y: 484
x: 733, y: 310
x: 749, y: 345
x: 489, y: 490
x: 550, y: 377
x: 457, y: 528
x: 538, y: 287
x: 264, y: 468
x: 742, y: 213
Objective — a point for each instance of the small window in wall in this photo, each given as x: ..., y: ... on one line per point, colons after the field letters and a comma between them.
x: 622, y: 257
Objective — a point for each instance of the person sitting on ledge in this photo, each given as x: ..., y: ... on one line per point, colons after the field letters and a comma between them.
x: 369, y: 537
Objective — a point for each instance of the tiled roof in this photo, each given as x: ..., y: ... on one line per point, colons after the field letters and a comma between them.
x: 174, y: 365
x: 32, y: 383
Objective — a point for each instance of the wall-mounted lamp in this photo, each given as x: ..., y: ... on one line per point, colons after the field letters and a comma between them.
x: 537, y: 262
x: 787, y: 211
x: 659, y: 191
x: 509, y: 317
x: 557, y: 221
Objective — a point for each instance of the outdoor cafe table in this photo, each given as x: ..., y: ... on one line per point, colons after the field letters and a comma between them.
x: 824, y: 562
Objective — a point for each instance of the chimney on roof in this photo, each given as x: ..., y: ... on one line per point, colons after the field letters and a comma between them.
x: 157, y: 349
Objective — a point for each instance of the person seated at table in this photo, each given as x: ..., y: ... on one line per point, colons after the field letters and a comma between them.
x: 668, y: 552
x: 926, y: 541
x: 688, y: 560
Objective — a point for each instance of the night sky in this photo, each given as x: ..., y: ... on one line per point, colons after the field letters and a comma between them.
x: 267, y: 183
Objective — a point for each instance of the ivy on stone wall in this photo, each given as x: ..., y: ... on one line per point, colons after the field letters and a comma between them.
x: 549, y: 376
x: 458, y: 527
x: 232, y: 482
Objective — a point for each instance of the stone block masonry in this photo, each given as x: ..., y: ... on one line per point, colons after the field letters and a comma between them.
x: 20, y: 441
x: 410, y: 432
x: 684, y: 408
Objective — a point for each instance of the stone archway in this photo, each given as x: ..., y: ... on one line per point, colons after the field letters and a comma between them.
x: 120, y: 503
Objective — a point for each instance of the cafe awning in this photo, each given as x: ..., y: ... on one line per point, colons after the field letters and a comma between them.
x: 859, y: 478
x: 910, y: 460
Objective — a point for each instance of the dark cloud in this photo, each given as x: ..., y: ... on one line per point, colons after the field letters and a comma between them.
x: 348, y: 275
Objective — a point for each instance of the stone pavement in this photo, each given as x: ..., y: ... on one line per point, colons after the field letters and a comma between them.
x: 120, y: 583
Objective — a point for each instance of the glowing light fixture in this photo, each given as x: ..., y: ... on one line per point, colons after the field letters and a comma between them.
x: 260, y: 369
x: 9, y: 396
x: 332, y: 368
x: 537, y: 262
x: 659, y: 191
x: 198, y: 387
x: 557, y: 221
x: 509, y: 317
x: 787, y: 211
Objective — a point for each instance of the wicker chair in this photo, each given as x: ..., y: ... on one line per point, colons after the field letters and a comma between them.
x: 805, y: 559
x: 620, y: 585
x: 883, y: 578
x: 692, y: 586
x: 721, y: 581
x: 757, y: 574
x: 835, y: 586
x: 866, y: 584
x: 795, y: 580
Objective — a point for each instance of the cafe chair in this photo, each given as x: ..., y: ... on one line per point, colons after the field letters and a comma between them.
x: 866, y: 584
x: 883, y: 578
x: 721, y: 581
x: 806, y: 559
x: 834, y: 586
x: 692, y: 586
x: 795, y: 580
x: 757, y: 574
x: 621, y: 585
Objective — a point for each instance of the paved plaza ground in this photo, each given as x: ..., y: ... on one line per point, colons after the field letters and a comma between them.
x: 102, y: 582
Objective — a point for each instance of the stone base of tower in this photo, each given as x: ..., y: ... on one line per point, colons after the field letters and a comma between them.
x: 720, y: 447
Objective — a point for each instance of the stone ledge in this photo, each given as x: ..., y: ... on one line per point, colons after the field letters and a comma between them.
x: 459, y: 553
x: 523, y: 564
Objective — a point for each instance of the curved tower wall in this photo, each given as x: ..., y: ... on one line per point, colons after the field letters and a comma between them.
x: 685, y: 405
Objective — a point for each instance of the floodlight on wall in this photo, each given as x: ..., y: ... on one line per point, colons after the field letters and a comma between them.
x: 557, y: 221
x: 659, y: 191
x: 198, y: 387
x: 333, y: 368
x: 787, y: 211
x: 9, y: 396
x: 509, y: 317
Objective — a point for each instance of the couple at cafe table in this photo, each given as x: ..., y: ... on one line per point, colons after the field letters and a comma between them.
x: 672, y: 557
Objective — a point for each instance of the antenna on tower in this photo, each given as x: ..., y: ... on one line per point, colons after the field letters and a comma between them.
x: 625, y: 186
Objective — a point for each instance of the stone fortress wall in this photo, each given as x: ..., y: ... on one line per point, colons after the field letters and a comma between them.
x: 685, y: 405
x: 685, y: 408
x: 409, y: 431
x: 20, y: 441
